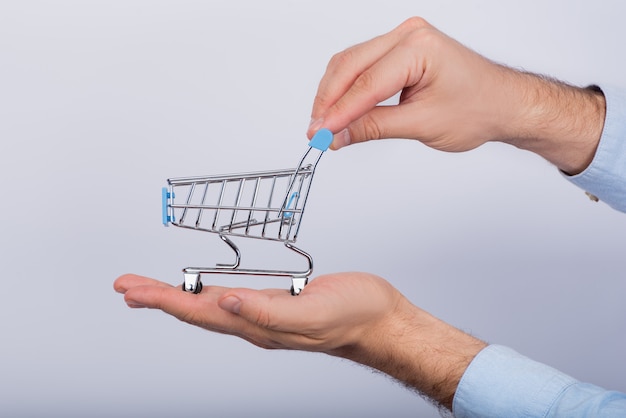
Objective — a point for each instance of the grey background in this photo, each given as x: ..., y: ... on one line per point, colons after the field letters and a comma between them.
x: 101, y: 101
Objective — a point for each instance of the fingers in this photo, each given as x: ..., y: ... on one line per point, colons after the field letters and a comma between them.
x: 200, y: 309
x: 127, y: 281
x: 358, y: 79
x: 143, y: 292
x: 345, y: 67
x: 196, y: 309
x: 273, y: 309
x: 203, y: 310
x: 378, y: 83
x: 405, y: 120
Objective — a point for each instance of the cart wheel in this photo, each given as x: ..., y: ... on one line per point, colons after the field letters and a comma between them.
x: 198, y: 287
x: 192, y: 283
x: 297, y: 284
x: 196, y: 290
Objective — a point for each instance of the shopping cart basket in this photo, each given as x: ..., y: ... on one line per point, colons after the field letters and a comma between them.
x: 266, y: 205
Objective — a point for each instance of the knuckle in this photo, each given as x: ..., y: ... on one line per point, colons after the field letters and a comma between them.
x: 341, y: 59
x: 364, y: 83
x: 421, y: 43
x: 321, y: 100
x: 424, y: 37
x: 417, y: 32
x: 371, y: 128
x: 413, y: 23
x: 340, y: 109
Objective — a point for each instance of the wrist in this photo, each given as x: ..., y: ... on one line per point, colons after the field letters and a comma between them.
x: 559, y: 122
x: 419, y: 350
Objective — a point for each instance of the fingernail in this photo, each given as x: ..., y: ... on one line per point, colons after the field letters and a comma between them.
x: 230, y: 304
x: 316, y: 124
x: 342, y: 138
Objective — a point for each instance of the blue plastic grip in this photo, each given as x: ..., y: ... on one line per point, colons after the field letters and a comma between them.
x: 289, y: 214
x: 164, y: 196
x: 321, y: 140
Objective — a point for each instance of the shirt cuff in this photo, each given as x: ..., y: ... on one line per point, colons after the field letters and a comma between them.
x: 500, y: 382
x: 605, y: 178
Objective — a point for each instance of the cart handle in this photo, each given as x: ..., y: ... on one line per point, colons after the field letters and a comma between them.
x: 165, y: 196
x: 321, y: 140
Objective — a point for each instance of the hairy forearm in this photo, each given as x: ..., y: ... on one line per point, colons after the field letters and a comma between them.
x: 419, y: 350
x: 557, y: 121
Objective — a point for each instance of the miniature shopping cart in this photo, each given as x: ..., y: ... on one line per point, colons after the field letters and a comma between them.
x: 266, y: 205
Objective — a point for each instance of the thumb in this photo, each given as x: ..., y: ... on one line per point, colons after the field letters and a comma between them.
x: 379, y: 123
x: 275, y: 310
x: 230, y: 303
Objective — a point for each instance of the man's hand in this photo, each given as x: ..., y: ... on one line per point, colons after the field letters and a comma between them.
x: 332, y: 314
x: 357, y: 316
x: 453, y: 99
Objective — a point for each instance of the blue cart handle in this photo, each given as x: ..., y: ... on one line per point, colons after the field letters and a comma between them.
x: 321, y: 140
x: 165, y: 196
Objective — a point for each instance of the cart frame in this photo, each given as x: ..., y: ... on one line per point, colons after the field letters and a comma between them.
x: 266, y: 205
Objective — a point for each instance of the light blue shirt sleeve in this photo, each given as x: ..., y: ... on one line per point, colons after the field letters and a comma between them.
x: 605, y: 178
x: 500, y: 382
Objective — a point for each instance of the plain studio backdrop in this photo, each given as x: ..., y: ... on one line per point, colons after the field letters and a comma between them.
x: 102, y: 101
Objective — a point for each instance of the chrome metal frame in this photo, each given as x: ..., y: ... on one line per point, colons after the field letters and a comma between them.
x: 229, y: 205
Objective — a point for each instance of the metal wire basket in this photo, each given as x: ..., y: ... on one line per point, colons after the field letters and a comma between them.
x: 266, y: 205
